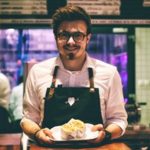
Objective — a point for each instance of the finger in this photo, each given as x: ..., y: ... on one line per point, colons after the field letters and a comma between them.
x: 49, y: 136
x: 97, y: 127
x: 48, y: 132
x: 49, y: 140
x: 43, y: 136
x: 99, y: 138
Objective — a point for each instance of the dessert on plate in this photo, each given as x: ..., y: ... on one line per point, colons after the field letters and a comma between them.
x: 73, y: 129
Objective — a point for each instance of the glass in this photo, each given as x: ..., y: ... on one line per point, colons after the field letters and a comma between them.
x: 77, y: 36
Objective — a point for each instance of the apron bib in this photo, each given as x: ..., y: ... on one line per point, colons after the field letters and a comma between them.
x: 63, y: 103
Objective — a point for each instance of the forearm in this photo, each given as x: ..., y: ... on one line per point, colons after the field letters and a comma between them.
x: 29, y: 127
x: 34, y: 131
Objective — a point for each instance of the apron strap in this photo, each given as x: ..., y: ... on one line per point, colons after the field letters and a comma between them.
x: 91, y: 80
x: 52, y: 87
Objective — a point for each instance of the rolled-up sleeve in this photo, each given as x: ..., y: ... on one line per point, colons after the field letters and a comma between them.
x: 31, y: 103
x: 115, y: 105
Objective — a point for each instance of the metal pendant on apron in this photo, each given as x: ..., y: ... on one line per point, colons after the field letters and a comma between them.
x: 71, y: 101
x: 64, y: 103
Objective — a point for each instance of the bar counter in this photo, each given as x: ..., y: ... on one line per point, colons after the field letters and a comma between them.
x: 112, y: 146
x: 10, y: 141
x: 13, y: 142
x: 132, y: 140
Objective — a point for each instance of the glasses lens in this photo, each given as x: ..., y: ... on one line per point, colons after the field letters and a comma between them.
x: 65, y: 36
x: 78, y: 36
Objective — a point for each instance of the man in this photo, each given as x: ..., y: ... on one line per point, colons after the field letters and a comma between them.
x: 5, y: 89
x: 15, y: 105
x: 73, y: 85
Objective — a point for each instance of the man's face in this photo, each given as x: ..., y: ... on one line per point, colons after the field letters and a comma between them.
x: 72, y: 38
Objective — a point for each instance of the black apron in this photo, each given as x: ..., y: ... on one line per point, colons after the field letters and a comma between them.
x: 63, y: 103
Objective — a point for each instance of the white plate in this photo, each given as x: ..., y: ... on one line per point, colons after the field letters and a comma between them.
x: 89, y: 135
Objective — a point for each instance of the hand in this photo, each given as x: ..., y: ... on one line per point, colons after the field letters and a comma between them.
x: 44, y: 136
x: 101, y: 135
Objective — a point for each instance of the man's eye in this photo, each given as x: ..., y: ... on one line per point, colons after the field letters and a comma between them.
x: 77, y: 35
x: 63, y: 35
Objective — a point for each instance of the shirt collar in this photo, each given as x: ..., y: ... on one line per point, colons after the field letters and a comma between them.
x: 88, y: 63
x: 59, y: 63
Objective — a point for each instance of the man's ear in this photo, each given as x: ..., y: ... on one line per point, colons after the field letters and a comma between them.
x: 88, y: 37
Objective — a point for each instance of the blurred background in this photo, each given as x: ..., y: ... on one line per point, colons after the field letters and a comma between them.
x: 121, y: 36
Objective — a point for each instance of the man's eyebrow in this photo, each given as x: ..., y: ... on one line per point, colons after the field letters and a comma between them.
x: 63, y: 31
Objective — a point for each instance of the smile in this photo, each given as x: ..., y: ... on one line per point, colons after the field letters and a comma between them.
x: 72, y: 49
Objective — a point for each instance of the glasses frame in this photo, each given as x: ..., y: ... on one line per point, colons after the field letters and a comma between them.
x: 65, y: 36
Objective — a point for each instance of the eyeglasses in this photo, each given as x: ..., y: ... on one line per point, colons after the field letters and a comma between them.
x: 77, y: 36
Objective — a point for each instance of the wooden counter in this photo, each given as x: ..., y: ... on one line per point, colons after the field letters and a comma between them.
x: 132, y: 139
x: 10, y: 141
x: 112, y: 146
x: 136, y: 139
x: 13, y: 141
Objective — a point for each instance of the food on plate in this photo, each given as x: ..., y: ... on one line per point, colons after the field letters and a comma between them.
x: 73, y: 129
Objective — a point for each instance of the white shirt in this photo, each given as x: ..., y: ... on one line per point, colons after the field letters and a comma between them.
x: 4, y: 90
x: 106, y: 78
x: 16, y: 102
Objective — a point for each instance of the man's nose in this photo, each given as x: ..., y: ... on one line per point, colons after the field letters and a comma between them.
x: 70, y: 40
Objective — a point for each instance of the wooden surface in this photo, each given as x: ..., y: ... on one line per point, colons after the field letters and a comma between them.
x: 135, y: 139
x: 113, y: 146
x: 10, y: 141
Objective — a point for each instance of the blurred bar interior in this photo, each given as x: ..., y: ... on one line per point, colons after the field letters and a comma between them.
x: 121, y: 36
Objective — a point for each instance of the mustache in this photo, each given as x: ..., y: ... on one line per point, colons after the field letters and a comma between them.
x: 67, y: 46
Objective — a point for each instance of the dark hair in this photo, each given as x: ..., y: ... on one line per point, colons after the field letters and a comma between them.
x: 70, y: 13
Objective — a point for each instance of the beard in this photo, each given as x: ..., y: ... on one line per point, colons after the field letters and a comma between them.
x: 72, y: 51
x: 70, y: 56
